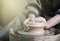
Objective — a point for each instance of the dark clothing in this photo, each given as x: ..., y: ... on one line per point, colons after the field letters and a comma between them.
x: 50, y: 9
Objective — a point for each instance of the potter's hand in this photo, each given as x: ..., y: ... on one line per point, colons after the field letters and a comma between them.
x: 25, y: 23
x: 31, y: 17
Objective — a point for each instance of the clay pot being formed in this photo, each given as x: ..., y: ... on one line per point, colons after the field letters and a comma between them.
x: 37, y: 26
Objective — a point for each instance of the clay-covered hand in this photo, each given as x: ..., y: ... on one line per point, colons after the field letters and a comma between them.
x: 28, y: 21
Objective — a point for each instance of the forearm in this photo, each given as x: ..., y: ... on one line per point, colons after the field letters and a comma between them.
x: 53, y: 21
x: 32, y: 8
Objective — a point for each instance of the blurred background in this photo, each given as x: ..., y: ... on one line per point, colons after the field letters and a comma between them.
x: 11, y: 8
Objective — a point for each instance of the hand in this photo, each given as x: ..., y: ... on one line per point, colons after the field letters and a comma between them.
x: 31, y: 17
x: 25, y: 24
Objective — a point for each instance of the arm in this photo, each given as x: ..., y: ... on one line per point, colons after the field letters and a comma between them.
x: 32, y: 8
x: 53, y: 21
